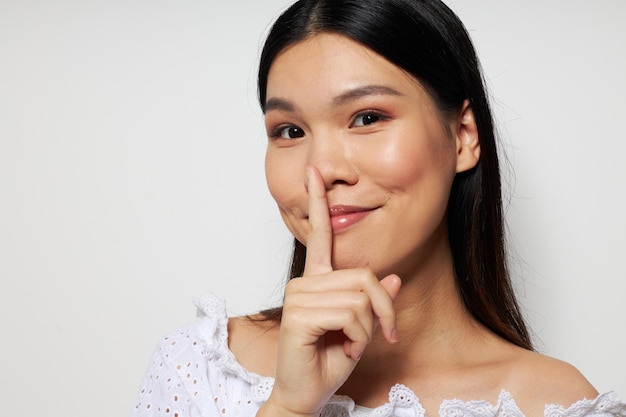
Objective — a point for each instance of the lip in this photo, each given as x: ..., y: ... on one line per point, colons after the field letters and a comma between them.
x: 344, y: 217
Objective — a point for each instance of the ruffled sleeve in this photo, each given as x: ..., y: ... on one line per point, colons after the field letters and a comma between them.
x: 176, y: 382
x: 605, y: 405
x: 192, y: 372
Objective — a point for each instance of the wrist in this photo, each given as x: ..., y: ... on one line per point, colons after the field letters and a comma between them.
x: 273, y: 410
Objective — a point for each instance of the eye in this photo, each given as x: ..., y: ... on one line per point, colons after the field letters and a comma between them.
x: 287, y: 132
x: 367, y: 118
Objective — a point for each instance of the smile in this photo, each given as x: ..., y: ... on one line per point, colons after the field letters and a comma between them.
x: 344, y: 217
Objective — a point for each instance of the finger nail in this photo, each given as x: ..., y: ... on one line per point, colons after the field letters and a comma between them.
x: 394, y: 336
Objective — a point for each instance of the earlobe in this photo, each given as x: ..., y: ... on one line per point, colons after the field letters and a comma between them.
x: 467, y: 141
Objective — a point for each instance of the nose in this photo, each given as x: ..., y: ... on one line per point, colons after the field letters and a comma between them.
x: 334, y: 159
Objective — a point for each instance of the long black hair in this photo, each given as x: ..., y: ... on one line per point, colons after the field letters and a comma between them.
x: 426, y: 39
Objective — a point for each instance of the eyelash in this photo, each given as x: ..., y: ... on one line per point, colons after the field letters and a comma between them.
x: 278, y: 132
x: 380, y: 117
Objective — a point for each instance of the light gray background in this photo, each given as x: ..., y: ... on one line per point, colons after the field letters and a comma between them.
x: 131, y: 180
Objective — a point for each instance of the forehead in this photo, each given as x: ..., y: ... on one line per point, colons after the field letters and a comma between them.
x: 329, y: 63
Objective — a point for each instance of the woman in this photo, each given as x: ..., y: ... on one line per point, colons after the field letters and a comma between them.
x: 381, y: 158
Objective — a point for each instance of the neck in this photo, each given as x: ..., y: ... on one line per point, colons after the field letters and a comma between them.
x: 440, y: 343
x: 435, y: 328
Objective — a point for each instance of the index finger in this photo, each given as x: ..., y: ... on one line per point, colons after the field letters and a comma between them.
x: 320, y: 238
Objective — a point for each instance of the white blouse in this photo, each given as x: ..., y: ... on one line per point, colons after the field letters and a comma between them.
x: 192, y: 373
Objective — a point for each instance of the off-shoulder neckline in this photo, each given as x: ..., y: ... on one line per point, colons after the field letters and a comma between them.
x: 213, y: 329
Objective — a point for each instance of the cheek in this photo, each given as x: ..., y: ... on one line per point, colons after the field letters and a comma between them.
x: 422, y: 165
x: 401, y: 165
x: 286, y: 185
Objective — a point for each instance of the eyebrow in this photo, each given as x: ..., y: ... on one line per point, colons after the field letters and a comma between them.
x: 353, y: 94
x: 364, y: 91
x: 278, y: 104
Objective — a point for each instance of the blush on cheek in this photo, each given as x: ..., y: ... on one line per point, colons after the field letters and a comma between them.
x: 400, y: 166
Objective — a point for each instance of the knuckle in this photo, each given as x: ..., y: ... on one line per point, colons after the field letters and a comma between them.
x: 360, y: 301
x: 365, y: 275
x: 293, y: 319
x: 292, y: 287
x: 346, y: 315
x: 351, y: 318
x: 296, y: 314
x: 292, y: 301
x: 288, y: 304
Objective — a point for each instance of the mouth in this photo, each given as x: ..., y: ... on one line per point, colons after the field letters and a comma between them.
x: 344, y: 217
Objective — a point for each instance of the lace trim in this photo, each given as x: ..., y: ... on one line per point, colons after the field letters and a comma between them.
x: 214, y: 334
x: 404, y: 403
x: 505, y: 407
x: 606, y: 404
x: 402, y: 400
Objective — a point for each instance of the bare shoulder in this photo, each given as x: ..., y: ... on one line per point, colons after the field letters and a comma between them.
x: 543, y: 380
x: 253, y: 342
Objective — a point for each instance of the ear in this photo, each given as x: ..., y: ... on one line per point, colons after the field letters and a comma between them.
x: 467, y: 142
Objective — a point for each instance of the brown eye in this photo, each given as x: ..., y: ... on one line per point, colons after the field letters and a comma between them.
x: 368, y: 118
x: 290, y: 132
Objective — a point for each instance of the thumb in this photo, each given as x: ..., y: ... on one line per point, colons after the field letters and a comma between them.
x: 391, y: 283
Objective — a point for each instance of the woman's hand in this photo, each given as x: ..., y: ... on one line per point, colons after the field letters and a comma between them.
x: 328, y: 319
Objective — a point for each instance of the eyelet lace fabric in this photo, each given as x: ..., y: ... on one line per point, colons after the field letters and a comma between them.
x: 192, y: 373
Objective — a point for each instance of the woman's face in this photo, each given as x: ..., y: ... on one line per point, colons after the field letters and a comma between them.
x: 386, y: 156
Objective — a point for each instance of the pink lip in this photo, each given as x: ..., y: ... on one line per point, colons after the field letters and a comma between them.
x: 344, y: 217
